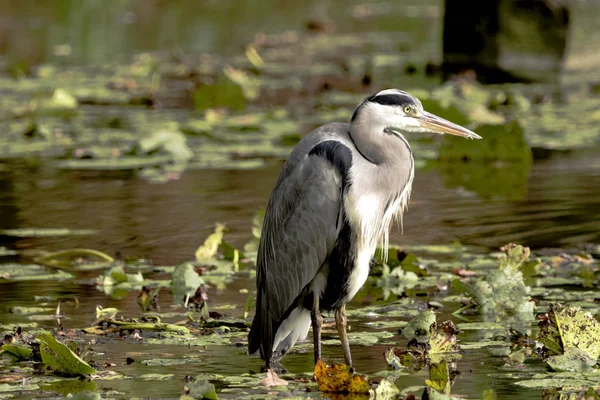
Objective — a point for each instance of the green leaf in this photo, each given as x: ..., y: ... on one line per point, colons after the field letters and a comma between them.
x: 393, y: 360
x: 574, y: 360
x: 30, y: 272
x: 18, y: 352
x: 442, y: 338
x: 514, y: 256
x: 41, y: 232
x: 396, y: 281
x: 60, y: 358
x: 102, y: 314
x: 566, y: 327
x: 209, y: 249
x: 201, y: 389
x: 224, y: 92
x: 185, y: 282
x: 257, y: 223
x: 70, y: 259
x: 85, y: 395
x: 418, y: 327
x: 386, y: 390
x: 115, y: 275
x: 439, y: 377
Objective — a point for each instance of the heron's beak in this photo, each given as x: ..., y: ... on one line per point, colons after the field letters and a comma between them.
x: 436, y: 124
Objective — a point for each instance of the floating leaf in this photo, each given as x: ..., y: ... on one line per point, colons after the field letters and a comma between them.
x: 85, y: 395
x: 339, y: 378
x: 396, y: 281
x: 40, y: 232
x: 171, y: 142
x: 62, y: 99
x: 224, y: 92
x: 18, y: 352
x: 199, y: 389
x: 418, y: 327
x: 76, y: 258
x: 60, y: 358
x: 573, y: 360
x: 386, y: 390
x: 566, y: 327
x: 30, y: 272
x: 30, y: 310
x: 115, y: 275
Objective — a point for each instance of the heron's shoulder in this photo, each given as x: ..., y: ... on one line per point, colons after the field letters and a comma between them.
x: 333, y: 132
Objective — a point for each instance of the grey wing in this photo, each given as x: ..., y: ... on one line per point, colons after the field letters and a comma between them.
x: 299, y: 232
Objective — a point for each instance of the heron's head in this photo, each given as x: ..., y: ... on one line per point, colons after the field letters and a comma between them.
x: 394, y: 111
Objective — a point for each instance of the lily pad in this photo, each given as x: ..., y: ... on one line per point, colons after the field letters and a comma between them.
x: 567, y: 327
x: 31, y: 272
x: 199, y: 389
x: 78, y: 259
x: 49, y: 232
x: 418, y: 327
x: 574, y: 359
x: 163, y: 362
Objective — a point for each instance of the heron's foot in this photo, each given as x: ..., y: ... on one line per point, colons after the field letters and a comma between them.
x: 273, y: 380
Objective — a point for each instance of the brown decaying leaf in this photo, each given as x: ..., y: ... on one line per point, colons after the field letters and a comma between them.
x: 463, y: 272
x: 340, y: 378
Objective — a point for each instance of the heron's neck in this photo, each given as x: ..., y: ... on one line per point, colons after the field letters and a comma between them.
x: 362, y: 136
x: 383, y: 149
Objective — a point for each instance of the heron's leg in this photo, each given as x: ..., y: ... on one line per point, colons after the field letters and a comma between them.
x: 341, y: 323
x: 317, y: 322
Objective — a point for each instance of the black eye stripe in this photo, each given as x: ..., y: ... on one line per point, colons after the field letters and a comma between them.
x: 395, y: 99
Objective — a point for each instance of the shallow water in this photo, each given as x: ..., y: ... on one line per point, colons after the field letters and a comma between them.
x: 165, y: 223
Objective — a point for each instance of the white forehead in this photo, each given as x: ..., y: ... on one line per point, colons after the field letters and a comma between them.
x: 392, y: 91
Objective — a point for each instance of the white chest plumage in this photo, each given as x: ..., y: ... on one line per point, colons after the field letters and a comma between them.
x: 371, y: 215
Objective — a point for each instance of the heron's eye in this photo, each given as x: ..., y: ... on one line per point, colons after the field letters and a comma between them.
x: 408, y: 110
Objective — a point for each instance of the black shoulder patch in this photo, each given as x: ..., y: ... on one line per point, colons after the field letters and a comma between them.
x: 338, y: 154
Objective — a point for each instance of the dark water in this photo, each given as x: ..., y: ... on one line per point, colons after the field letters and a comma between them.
x: 166, y: 222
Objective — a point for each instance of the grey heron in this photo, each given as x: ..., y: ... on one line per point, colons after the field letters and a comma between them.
x: 332, y: 205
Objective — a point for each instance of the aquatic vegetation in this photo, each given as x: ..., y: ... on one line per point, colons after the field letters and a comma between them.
x: 503, y: 291
x: 339, y: 378
x: 429, y: 343
x: 211, y: 244
x: 571, y: 338
x: 60, y: 358
x: 199, y: 389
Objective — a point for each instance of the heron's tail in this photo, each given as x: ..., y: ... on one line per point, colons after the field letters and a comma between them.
x: 261, y: 332
x: 295, y: 327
